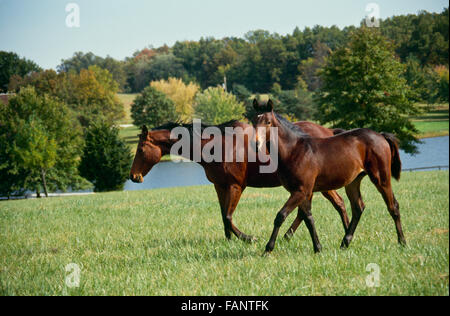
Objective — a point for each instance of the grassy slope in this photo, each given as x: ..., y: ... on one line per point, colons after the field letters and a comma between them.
x: 170, y: 242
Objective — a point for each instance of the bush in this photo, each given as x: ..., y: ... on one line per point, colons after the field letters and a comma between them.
x: 215, y: 106
x: 182, y: 95
x: 106, y: 159
x: 152, y: 108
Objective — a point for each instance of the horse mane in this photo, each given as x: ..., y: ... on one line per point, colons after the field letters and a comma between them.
x: 171, y: 125
x: 291, y: 127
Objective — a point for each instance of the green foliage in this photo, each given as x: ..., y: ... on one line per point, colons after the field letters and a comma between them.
x: 11, y: 64
x: 182, y: 95
x: 80, y: 61
x: 152, y: 108
x: 296, y: 104
x: 41, y: 142
x: 106, y: 159
x: 244, y: 96
x: 364, y: 87
x: 215, y: 106
x: 47, y: 81
x: 91, y: 94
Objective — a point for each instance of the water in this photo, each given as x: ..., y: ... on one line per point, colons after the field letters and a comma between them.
x: 170, y: 174
x: 433, y: 152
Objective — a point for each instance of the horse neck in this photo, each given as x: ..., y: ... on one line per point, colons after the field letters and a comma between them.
x: 166, y: 144
x: 287, y: 141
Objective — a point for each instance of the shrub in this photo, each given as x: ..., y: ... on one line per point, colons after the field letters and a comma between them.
x: 106, y: 158
x: 215, y: 106
x: 152, y: 108
x: 182, y: 95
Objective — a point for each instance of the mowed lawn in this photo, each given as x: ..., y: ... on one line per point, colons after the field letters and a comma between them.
x: 171, y: 242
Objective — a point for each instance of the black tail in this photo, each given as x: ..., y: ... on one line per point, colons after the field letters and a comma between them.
x: 396, y: 164
x: 338, y: 131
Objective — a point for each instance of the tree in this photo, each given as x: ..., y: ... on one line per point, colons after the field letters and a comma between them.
x: 152, y: 108
x: 364, y: 86
x: 106, y: 159
x: 215, y: 106
x: 11, y: 64
x: 310, y: 67
x: 245, y: 96
x: 181, y: 94
x: 296, y: 104
x: 164, y: 67
x: 41, y: 141
x: 80, y: 61
x: 92, y: 94
x: 47, y: 81
x: 442, y: 83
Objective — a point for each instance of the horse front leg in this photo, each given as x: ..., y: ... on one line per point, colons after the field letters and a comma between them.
x: 295, y: 199
x: 229, y: 197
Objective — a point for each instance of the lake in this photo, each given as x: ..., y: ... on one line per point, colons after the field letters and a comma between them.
x: 433, y: 152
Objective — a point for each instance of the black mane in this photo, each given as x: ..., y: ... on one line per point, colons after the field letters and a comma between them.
x: 190, y: 127
x: 291, y: 127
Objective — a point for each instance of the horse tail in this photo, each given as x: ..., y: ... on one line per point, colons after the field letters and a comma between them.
x: 396, y: 164
x: 338, y: 131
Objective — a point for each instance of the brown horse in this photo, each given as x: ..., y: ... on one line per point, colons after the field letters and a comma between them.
x: 229, y: 178
x: 308, y: 165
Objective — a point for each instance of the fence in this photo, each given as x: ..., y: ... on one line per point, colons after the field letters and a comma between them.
x: 427, y: 168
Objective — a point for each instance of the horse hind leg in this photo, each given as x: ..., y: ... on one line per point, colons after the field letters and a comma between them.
x: 297, y: 222
x: 353, y: 192
x: 338, y: 203
x: 394, y: 210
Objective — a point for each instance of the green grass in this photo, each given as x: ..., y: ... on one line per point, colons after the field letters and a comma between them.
x: 171, y: 242
x: 127, y: 100
x: 434, y: 122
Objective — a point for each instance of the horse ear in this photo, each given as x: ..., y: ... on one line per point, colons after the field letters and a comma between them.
x: 144, y: 130
x: 255, y: 104
x: 270, y: 105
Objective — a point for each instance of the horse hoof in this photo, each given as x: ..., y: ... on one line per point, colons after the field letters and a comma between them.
x: 266, y: 254
x: 249, y: 239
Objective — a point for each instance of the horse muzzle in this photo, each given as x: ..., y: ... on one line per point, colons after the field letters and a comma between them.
x: 137, y: 178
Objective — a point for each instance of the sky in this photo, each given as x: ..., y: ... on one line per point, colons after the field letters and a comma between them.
x: 37, y: 29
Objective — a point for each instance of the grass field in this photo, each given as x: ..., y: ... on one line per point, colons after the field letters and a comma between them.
x: 434, y: 122
x: 127, y: 100
x: 171, y: 242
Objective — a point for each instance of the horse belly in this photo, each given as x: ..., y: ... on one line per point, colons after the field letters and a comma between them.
x: 334, y: 179
x: 263, y: 180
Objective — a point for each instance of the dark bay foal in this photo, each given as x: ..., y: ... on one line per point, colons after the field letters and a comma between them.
x: 308, y: 165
